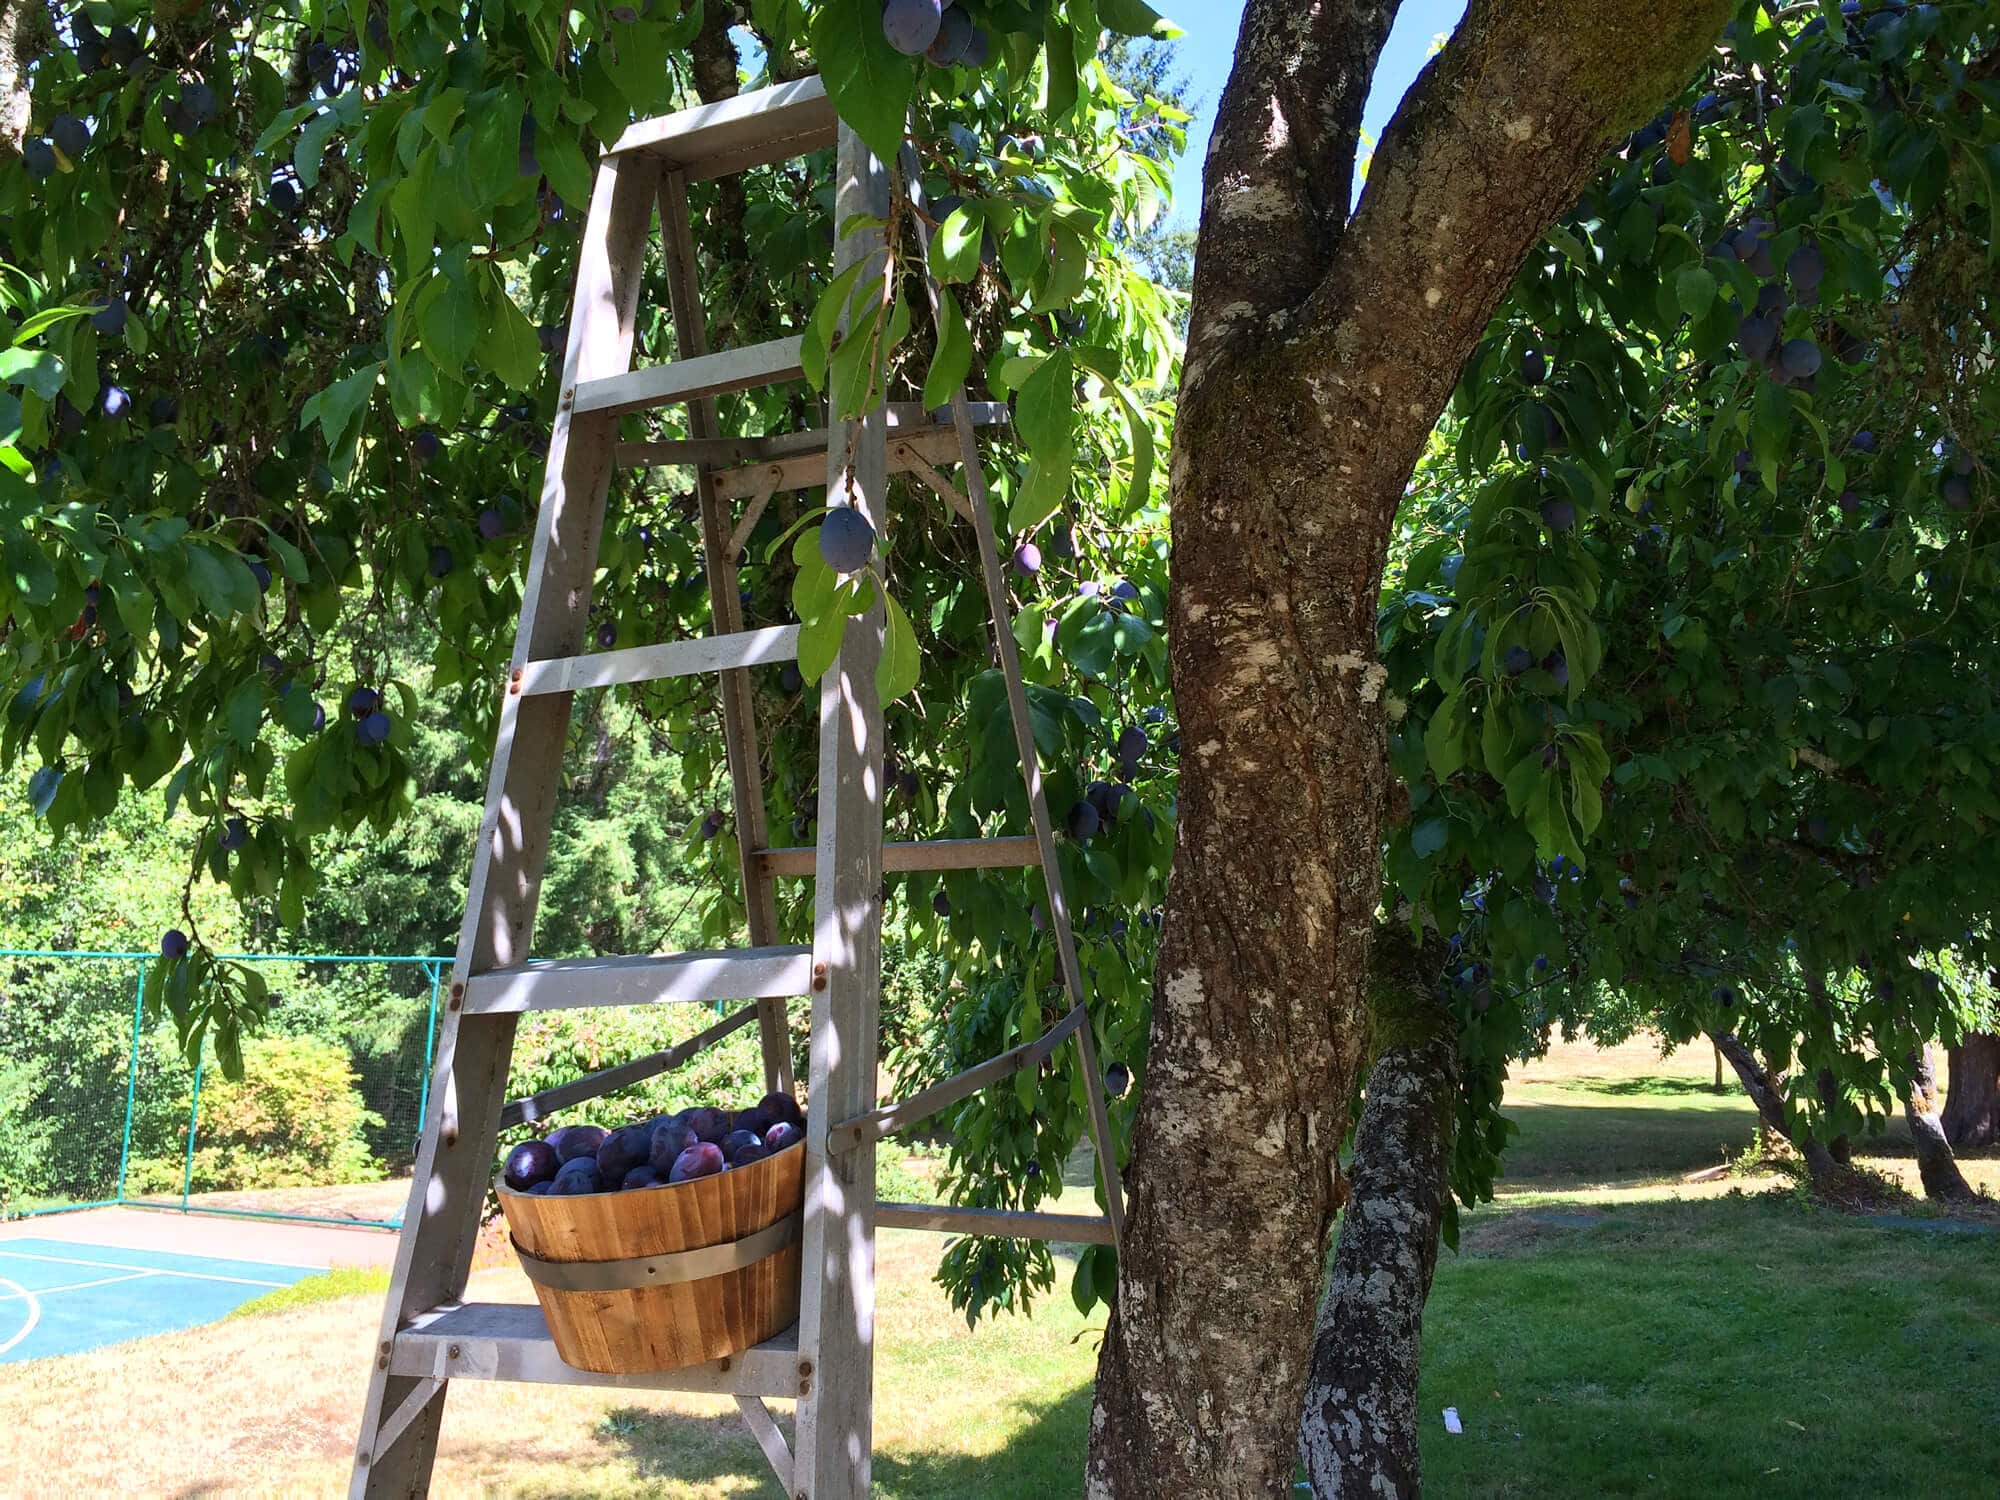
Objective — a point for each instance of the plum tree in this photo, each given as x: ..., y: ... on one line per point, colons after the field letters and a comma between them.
x: 304, y: 378
x: 1725, y: 635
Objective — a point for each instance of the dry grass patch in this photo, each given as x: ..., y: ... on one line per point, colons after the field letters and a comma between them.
x: 270, y: 1405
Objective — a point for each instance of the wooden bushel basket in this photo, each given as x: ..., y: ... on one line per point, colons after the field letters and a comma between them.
x: 666, y: 1277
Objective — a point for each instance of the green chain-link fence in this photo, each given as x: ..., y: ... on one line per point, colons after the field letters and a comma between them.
x: 97, y: 1108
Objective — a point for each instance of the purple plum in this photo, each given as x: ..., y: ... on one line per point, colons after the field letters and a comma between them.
x: 529, y: 1163
x: 702, y: 1159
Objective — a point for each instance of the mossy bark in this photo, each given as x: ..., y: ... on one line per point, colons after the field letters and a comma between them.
x: 1322, y: 348
x: 1360, y: 1431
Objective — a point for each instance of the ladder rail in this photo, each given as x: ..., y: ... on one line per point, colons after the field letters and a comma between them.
x: 1009, y: 652
x: 469, y: 1073
x: 835, y: 1433
x: 739, y: 719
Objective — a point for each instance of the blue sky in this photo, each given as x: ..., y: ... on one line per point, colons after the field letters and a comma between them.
x: 1210, y: 46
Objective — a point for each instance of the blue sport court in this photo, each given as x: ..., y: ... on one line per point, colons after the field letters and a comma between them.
x: 59, y: 1297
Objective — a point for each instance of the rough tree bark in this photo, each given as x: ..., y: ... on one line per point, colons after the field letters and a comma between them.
x: 1971, y: 1117
x: 1935, y: 1162
x: 1359, y: 1436
x: 1321, y: 350
x: 1768, y: 1095
x: 24, y: 33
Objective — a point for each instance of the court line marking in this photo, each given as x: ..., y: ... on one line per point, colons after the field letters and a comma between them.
x: 34, y: 1314
x: 241, y: 1260
x: 113, y: 1265
x: 75, y: 1286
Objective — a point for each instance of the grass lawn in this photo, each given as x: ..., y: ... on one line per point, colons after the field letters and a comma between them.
x: 1607, y: 1330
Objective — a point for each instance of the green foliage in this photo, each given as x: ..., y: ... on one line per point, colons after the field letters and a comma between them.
x: 1689, y: 636
x: 294, y: 1119
x: 326, y: 487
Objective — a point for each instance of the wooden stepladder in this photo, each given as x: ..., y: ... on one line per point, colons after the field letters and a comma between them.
x: 430, y: 1336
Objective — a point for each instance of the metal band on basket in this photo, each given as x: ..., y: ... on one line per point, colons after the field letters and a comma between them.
x: 661, y: 1270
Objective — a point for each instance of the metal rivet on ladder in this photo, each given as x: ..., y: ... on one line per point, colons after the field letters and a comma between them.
x: 514, y: 681
x: 819, y: 976
x: 457, y: 994
x: 452, y: 1351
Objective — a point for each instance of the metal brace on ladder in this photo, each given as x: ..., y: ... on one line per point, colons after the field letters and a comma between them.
x: 430, y: 1335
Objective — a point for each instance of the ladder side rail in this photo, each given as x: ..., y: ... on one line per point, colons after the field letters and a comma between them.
x: 1001, y: 609
x: 448, y: 1186
x: 536, y: 1107
x: 835, y: 1428
x: 739, y: 719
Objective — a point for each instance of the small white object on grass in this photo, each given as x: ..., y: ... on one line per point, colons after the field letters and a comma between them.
x: 1451, y: 1422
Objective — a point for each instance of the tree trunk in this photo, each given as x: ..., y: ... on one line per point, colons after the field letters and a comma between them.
x: 1935, y: 1162
x: 1768, y: 1095
x: 24, y: 34
x: 1971, y: 1117
x: 1360, y: 1431
x: 1321, y: 350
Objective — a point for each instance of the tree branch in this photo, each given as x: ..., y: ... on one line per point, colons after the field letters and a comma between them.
x: 1280, y: 170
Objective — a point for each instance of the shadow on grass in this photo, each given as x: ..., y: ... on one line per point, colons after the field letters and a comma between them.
x: 1043, y: 1456
x: 1625, y: 1088
x: 1564, y: 1145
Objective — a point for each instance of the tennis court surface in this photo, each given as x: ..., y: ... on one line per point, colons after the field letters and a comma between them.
x: 63, y: 1297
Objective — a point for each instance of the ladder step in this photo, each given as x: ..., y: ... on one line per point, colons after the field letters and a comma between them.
x: 925, y: 854
x: 692, y: 379
x: 763, y: 125
x: 904, y: 1113
x: 678, y: 978
x: 906, y: 419
x: 510, y: 1341
x: 715, y: 653
x: 1005, y: 1223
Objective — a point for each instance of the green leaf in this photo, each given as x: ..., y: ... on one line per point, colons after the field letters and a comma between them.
x: 335, y: 407
x: 900, y: 665
x: 450, y: 325
x: 953, y: 359
x: 954, y: 252
x: 1142, y: 447
x: 819, y: 640
x: 1060, y: 72
x: 37, y: 369
x: 1430, y: 836
x: 508, y: 344
x: 1694, y: 289
x: 1135, y: 18
x: 1045, y: 409
x: 563, y: 163
x: 1444, y: 745
x: 814, y: 585
x: 42, y: 788
x: 869, y: 81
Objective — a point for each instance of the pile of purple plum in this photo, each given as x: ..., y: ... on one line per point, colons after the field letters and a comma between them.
x: 667, y: 1149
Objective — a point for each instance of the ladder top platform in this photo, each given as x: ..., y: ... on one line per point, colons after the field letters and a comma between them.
x: 731, y: 135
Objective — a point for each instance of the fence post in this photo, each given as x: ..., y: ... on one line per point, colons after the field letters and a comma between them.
x: 131, y: 1084
x: 194, y: 1114
x: 430, y: 1041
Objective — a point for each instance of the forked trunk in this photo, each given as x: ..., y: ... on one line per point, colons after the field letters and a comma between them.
x: 1321, y: 350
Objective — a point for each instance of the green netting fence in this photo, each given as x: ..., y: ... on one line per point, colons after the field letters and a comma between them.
x: 98, y: 1109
